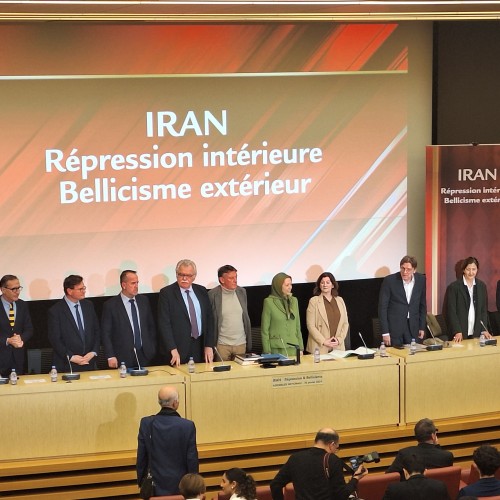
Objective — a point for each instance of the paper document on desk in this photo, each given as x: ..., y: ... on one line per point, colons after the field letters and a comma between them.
x: 338, y: 354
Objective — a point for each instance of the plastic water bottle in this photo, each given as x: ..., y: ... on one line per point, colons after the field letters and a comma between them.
x: 317, y: 359
x: 123, y: 370
x: 191, y: 365
x: 482, y: 340
x: 13, y: 377
x: 383, y: 351
x: 53, y: 374
x: 413, y: 346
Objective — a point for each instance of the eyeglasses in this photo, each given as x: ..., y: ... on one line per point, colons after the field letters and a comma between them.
x: 81, y: 289
x: 15, y: 289
x: 188, y: 276
x: 406, y: 269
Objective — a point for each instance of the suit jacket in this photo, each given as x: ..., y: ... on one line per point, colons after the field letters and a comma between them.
x: 432, y: 456
x: 118, y: 334
x: 393, y: 308
x: 11, y: 357
x: 417, y: 487
x: 175, y: 327
x: 306, y: 471
x: 277, y: 331
x: 215, y: 296
x: 65, y: 337
x: 457, y: 307
x: 170, y: 440
x: 318, y: 327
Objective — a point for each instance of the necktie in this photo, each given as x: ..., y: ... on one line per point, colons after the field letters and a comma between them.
x: 135, y: 322
x: 12, y: 317
x: 195, y: 333
x: 80, y: 324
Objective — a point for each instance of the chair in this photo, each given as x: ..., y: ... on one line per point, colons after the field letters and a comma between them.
x: 373, y: 486
x: 289, y: 493
x: 497, y: 497
x: 377, y: 331
x: 168, y: 497
x: 223, y: 496
x: 264, y: 493
x: 449, y: 475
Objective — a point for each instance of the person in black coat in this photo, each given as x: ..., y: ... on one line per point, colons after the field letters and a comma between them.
x: 416, y: 486
x: 167, y: 444
x: 427, y: 450
x: 402, y: 306
x: 15, y: 326
x: 74, y: 331
x: 127, y: 322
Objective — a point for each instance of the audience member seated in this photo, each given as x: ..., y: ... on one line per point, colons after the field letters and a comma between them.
x: 240, y: 485
x: 192, y: 486
x: 416, y: 486
x: 427, y: 449
x: 487, y: 460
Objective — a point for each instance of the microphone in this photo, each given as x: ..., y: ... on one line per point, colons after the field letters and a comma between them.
x: 488, y: 341
x: 366, y: 355
x: 435, y: 346
x: 70, y: 376
x: 138, y: 372
x: 222, y: 367
x: 297, y: 353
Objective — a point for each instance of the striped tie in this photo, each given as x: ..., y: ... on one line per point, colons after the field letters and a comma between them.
x: 12, y: 318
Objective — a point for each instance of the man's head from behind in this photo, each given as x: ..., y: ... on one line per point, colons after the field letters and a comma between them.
x: 487, y: 459
x: 426, y: 431
x: 168, y: 397
x: 328, y: 439
x: 412, y: 464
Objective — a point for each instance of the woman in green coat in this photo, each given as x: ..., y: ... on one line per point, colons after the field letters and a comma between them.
x: 280, y: 325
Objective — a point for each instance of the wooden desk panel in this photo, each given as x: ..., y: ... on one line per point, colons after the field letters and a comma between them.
x: 250, y: 402
x: 45, y: 419
x: 457, y: 381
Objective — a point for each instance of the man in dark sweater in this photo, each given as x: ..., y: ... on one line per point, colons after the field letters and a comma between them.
x: 487, y: 460
x: 317, y: 473
x: 428, y: 449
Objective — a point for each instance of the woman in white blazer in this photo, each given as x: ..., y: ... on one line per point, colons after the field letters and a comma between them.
x: 326, y: 318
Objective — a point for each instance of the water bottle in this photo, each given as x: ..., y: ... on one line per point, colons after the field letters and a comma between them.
x: 482, y: 340
x: 191, y: 365
x: 413, y: 346
x: 123, y: 370
x: 316, y: 355
x: 383, y: 351
x: 53, y: 374
x: 13, y: 377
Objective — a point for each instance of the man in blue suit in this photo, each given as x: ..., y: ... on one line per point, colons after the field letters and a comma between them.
x: 74, y: 331
x: 127, y: 322
x: 167, y: 442
x: 402, y: 306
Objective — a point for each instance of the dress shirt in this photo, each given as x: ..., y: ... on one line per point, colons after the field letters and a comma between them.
x: 71, y: 306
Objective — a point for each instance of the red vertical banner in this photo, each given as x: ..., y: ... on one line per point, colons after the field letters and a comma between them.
x: 462, y: 216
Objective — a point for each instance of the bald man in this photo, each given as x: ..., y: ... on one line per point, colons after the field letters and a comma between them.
x: 174, y: 453
x: 317, y: 473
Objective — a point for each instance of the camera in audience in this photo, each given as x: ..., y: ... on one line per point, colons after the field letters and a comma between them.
x: 355, y: 462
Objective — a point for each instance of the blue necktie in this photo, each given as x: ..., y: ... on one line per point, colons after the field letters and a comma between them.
x: 195, y: 333
x: 80, y: 324
x: 135, y: 322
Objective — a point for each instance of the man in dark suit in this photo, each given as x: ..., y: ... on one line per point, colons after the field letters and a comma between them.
x: 127, y: 322
x: 402, y: 304
x: 185, y: 319
x: 15, y: 326
x: 427, y: 450
x: 167, y: 442
x: 74, y: 331
x: 416, y: 486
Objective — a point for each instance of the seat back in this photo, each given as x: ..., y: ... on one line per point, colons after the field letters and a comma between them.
x: 373, y: 486
x: 168, y: 497
x: 449, y: 475
x: 289, y: 493
x: 264, y: 493
x: 223, y: 496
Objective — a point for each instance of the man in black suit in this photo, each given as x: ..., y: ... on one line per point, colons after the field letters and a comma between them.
x: 185, y: 319
x: 402, y: 304
x: 416, y: 486
x: 74, y: 331
x: 174, y: 451
x: 427, y: 450
x: 15, y: 326
x: 127, y: 322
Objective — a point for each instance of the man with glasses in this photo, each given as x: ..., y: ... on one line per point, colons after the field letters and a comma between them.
x: 402, y: 306
x: 427, y: 450
x: 74, y: 331
x: 317, y: 473
x: 185, y: 319
x: 15, y: 326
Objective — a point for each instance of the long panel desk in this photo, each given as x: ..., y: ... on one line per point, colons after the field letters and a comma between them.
x: 458, y: 381
x: 250, y: 402
x: 98, y: 413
